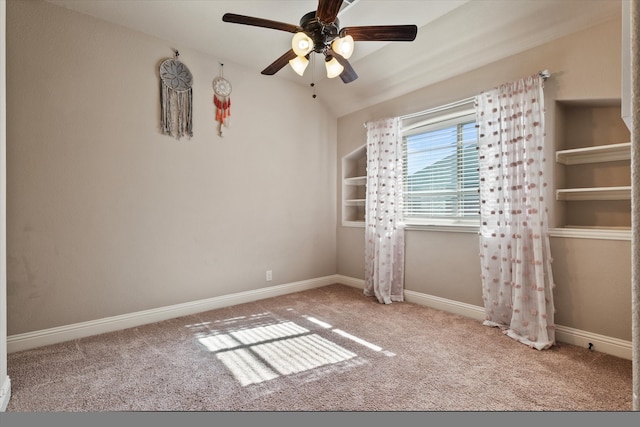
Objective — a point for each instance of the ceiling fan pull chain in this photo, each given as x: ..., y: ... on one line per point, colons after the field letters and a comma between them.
x: 313, y: 76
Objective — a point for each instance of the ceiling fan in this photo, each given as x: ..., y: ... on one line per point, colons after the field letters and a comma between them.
x: 319, y: 31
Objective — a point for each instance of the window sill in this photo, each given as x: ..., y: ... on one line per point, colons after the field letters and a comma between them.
x: 448, y: 227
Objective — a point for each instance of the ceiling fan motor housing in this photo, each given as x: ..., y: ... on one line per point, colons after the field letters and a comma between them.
x: 320, y: 32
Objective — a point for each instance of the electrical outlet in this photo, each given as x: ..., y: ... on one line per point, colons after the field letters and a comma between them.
x: 269, y: 275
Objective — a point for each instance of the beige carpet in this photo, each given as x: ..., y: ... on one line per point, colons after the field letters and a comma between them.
x: 327, y: 349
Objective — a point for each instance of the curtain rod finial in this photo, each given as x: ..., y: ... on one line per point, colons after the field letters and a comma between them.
x: 544, y: 74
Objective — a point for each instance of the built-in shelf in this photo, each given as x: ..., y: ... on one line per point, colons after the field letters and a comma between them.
x: 593, y: 193
x: 597, y: 154
x: 597, y: 193
x: 354, y: 184
x: 584, y: 232
x: 593, y: 227
x: 356, y: 180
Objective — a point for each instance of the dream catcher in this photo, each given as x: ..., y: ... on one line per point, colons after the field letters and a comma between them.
x: 176, y: 98
x: 222, y: 100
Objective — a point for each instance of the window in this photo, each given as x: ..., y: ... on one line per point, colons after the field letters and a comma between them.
x: 440, y: 153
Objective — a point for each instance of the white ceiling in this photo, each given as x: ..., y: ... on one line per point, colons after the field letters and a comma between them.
x: 454, y: 36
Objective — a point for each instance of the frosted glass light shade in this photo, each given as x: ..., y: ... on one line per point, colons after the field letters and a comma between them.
x: 301, y: 44
x: 344, y: 46
x: 334, y: 68
x: 299, y: 64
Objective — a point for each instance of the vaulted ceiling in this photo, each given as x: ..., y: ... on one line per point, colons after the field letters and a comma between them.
x: 454, y: 36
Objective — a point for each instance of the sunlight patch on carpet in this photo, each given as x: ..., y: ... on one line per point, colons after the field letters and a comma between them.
x: 270, y: 332
x: 219, y: 342
x: 246, y: 367
x: 300, y: 354
x: 318, y: 322
x: 259, y: 353
x: 358, y: 340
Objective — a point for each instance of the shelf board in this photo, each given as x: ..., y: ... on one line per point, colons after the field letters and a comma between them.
x: 355, y: 202
x: 356, y: 180
x: 600, y: 153
x: 598, y: 227
x: 597, y: 193
x: 353, y: 223
x: 604, y: 233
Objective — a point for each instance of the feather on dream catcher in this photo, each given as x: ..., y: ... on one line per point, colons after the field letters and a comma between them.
x: 176, y: 98
x: 222, y: 100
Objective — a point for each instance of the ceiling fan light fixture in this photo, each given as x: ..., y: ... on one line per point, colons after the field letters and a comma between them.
x: 344, y: 46
x: 299, y: 64
x: 317, y: 32
x: 301, y: 44
x: 334, y: 68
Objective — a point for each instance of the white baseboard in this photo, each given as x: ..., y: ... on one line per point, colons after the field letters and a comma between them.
x: 5, y: 394
x: 450, y: 306
x: 74, y: 331
x: 604, y: 344
x: 349, y: 281
x: 601, y: 343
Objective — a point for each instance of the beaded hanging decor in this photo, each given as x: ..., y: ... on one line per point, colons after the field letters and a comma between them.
x: 222, y: 100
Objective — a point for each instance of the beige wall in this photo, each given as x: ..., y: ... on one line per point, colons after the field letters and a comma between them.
x: 106, y: 216
x: 589, y: 296
x: 5, y: 389
x: 593, y: 285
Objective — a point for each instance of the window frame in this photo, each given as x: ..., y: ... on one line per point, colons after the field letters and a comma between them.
x: 438, y: 118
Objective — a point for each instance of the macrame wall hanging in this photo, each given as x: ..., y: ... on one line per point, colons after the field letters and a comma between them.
x: 176, y: 98
x: 222, y: 100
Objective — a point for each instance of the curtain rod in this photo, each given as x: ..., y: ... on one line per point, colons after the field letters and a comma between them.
x: 545, y: 74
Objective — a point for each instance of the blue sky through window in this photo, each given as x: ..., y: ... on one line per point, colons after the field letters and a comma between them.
x: 426, y: 149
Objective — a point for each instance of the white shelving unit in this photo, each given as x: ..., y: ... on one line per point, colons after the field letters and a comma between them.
x: 597, y: 193
x: 601, y: 153
x: 597, y: 154
x: 354, y: 182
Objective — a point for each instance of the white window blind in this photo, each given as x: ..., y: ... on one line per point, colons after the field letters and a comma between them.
x: 440, y: 154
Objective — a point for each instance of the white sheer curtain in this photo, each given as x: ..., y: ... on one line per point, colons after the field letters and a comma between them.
x: 517, y: 280
x: 384, y: 229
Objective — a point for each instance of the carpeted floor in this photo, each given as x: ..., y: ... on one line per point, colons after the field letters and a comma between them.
x: 326, y: 349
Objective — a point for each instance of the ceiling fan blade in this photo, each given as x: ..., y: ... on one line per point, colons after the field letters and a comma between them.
x: 389, y: 33
x: 327, y: 11
x: 259, y: 22
x: 348, y: 74
x: 279, y: 63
